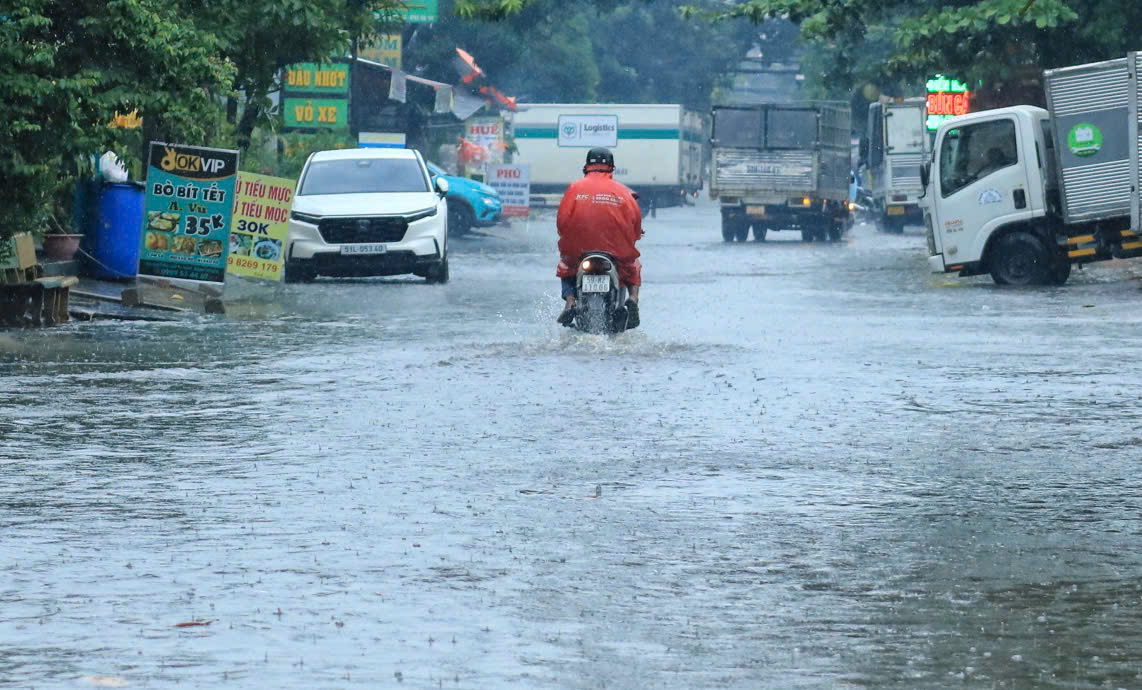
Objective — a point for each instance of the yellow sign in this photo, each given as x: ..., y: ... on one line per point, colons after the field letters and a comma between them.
x: 129, y: 121
x: 260, y: 231
x: 387, y: 50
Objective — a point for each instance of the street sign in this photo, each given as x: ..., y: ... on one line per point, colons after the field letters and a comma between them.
x: 513, y: 182
x: 187, y: 213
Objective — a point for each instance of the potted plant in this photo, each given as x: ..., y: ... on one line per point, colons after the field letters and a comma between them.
x: 59, y: 243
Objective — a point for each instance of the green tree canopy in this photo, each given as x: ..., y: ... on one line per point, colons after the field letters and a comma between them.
x: 66, y: 68
x: 1002, y: 44
x: 551, y: 51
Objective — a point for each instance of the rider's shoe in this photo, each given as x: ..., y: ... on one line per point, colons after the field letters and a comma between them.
x: 632, y: 314
x: 566, y: 316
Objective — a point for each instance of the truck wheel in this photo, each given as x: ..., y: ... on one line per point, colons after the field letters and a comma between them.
x: 759, y: 232
x: 1020, y: 258
x: 892, y: 225
x: 733, y: 227
x: 808, y: 235
x: 1060, y: 271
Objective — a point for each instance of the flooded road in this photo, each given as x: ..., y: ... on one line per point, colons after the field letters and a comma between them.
x: 813, y: 466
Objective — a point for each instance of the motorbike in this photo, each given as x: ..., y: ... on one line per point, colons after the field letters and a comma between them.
x: 599, y: 296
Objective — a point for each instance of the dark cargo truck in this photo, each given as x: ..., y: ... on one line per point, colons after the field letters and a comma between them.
x: 782, y: 167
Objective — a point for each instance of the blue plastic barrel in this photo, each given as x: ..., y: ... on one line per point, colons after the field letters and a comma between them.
x: 113, y: 244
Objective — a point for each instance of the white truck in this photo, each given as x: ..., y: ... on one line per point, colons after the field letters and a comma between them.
x: 896, y: 146
x: 1023, y: 193
x: 658, y: 148
x: 782, y: 166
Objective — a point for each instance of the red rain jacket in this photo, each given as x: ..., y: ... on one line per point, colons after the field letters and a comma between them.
x: 598, y: 214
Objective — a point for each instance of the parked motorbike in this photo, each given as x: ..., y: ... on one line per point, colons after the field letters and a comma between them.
x: 599, y: 296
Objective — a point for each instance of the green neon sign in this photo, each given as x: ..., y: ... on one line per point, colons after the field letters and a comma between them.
x: 942, y: 84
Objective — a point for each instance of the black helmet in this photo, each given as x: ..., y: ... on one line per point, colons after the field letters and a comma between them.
x: 601, y: 156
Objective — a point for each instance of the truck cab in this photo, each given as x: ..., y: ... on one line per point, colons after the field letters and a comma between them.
x: 991, y: 198
x: 896, y: 145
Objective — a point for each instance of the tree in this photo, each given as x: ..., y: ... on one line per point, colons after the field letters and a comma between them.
x: 262, y: 37
x: 551, y: 51
x: 1002, y: 45
x: 66, y: 68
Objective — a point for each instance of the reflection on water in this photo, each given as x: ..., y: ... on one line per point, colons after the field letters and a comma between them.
x: 811, y: 467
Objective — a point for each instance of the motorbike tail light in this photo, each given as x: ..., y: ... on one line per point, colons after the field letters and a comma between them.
x: 595, y: 265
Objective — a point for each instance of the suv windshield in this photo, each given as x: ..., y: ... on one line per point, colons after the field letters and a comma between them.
x: 363, y: 176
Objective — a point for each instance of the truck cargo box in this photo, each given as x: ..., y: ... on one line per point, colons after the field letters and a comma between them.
x: 1090, y: 119
x: 785, y: 149
x: 657, y: 148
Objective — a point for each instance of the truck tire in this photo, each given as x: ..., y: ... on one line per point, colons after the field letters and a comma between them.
x: 734, y: 226
x: 1019, y: 258
x: 808, y: 235
x: 892, y: 225
x: 759, y: 232
x: 1060, y: 271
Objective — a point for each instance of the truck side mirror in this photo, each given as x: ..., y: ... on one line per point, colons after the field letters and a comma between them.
x: 925, y: 174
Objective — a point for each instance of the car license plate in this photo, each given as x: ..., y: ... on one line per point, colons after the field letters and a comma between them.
x: 758, y: 211
x: 596, y: 283
x: 894, y: 210
x: 370, y: 248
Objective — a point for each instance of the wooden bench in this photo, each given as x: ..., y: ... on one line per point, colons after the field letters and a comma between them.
x: 42, y: 302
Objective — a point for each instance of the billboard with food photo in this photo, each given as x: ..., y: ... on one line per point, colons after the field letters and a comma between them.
x: 261, y: 225
x: 186, y: 220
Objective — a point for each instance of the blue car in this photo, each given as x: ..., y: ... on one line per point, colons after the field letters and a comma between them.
x: 471, y: 204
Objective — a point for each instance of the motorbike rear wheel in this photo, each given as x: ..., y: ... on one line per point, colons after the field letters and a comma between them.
x: 593, y: 314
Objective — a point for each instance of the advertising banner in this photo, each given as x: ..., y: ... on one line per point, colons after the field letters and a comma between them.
x: 187, y: 213
x: 588, y: 131
x: 306, y: 113
x: 418, y: 11
x: 310, y: 77
x: 386, y: 50
x: 487, y: 133
x: 513, y: 182
x: 261, y: 226
x: 381, y: 140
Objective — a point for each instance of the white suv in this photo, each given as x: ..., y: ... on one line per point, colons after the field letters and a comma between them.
x: 368, y: 212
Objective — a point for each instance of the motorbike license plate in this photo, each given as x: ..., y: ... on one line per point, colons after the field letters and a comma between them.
x: 757, y: 211
x: 596, y: 283
x: 894, y: 210
x: 370, y: 248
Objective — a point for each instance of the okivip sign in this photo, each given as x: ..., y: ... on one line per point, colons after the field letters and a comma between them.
x: 513, y: 182
x: 587, y: 131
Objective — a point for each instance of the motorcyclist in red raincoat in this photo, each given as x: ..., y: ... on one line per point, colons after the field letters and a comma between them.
x: 598, y: 214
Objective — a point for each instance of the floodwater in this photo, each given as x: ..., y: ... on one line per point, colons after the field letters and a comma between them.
x: 814, y: 466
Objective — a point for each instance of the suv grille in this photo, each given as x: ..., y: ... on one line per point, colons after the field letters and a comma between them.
x: 351, y: 230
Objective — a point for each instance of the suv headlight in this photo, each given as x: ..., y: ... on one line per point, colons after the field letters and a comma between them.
x: 305, y: 217
x: 421, y: 215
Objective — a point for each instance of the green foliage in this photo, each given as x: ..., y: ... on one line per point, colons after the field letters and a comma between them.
x: 552, y: 51
x: 266, y: 158
x: 66, y: 68
x: 1002, y: 44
